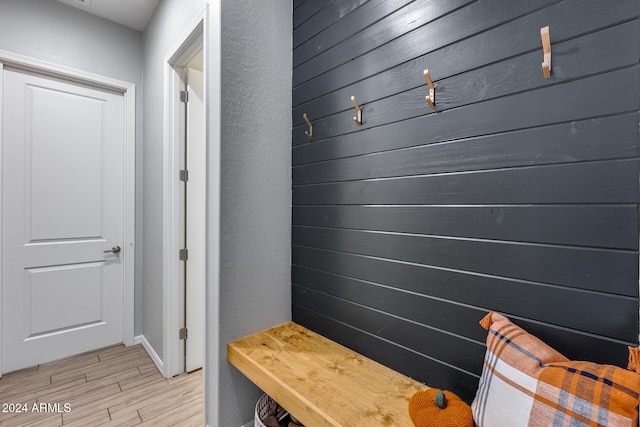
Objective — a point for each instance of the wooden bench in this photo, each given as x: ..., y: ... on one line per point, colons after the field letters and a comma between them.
x: 321, y: 382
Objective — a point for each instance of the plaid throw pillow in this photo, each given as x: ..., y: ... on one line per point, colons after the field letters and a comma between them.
x: 526, y: 383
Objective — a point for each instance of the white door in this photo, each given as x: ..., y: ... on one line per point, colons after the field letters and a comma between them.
x: 196, y: 163
x: 63, y: 207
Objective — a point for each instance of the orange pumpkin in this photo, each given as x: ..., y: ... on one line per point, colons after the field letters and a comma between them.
x: 439, y: 408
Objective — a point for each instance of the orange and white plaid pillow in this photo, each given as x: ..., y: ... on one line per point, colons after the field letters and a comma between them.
x: 526, y: 383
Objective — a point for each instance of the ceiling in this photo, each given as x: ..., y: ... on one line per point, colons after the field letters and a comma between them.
x: 131, y: 13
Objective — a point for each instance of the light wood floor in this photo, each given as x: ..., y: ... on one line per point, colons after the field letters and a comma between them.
x: 116, y: 386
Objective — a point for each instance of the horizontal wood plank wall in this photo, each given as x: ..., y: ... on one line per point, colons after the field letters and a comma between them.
x: 515, y: 193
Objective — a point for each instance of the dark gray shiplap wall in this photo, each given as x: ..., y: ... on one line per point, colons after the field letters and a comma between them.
x: 516, y: 193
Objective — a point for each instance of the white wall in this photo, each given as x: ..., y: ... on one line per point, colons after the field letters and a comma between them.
x: 250, y: 137
x: 171, y: 19
x: 51, y: 31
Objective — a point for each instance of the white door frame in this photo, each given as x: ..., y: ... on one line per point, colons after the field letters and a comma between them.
x: 128, y: 91
x: 172, y: 267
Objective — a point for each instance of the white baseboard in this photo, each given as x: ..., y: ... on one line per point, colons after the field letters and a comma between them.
x: 140, y: 339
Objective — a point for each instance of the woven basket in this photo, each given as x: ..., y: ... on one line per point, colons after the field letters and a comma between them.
x: 263, y: 408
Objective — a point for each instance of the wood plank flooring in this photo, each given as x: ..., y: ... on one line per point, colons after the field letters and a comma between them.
x: 116, y: 386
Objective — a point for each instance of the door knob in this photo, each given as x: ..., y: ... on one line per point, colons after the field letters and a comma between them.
x: 116, y: 250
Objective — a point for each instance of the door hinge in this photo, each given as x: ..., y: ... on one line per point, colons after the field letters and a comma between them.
x: 184, y: 254
x: 183, y: 333
x: 184, y: 96
x: 184, y: 175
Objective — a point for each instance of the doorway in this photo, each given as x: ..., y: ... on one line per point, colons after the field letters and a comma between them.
x: 66, y: 212
x: 184, y: 216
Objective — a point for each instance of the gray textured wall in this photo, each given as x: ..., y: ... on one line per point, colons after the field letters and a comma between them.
x: 252, y: 267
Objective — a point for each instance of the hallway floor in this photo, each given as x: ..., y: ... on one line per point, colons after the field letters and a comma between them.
x: 116, y: 386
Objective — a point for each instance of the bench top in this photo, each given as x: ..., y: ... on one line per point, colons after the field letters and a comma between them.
x: 321, y: 382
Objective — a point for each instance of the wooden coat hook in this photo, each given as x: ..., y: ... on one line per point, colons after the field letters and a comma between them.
x: 309, y: 132
x: 431, y: 99
x: 546, y: 47
x: 357, y: 119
